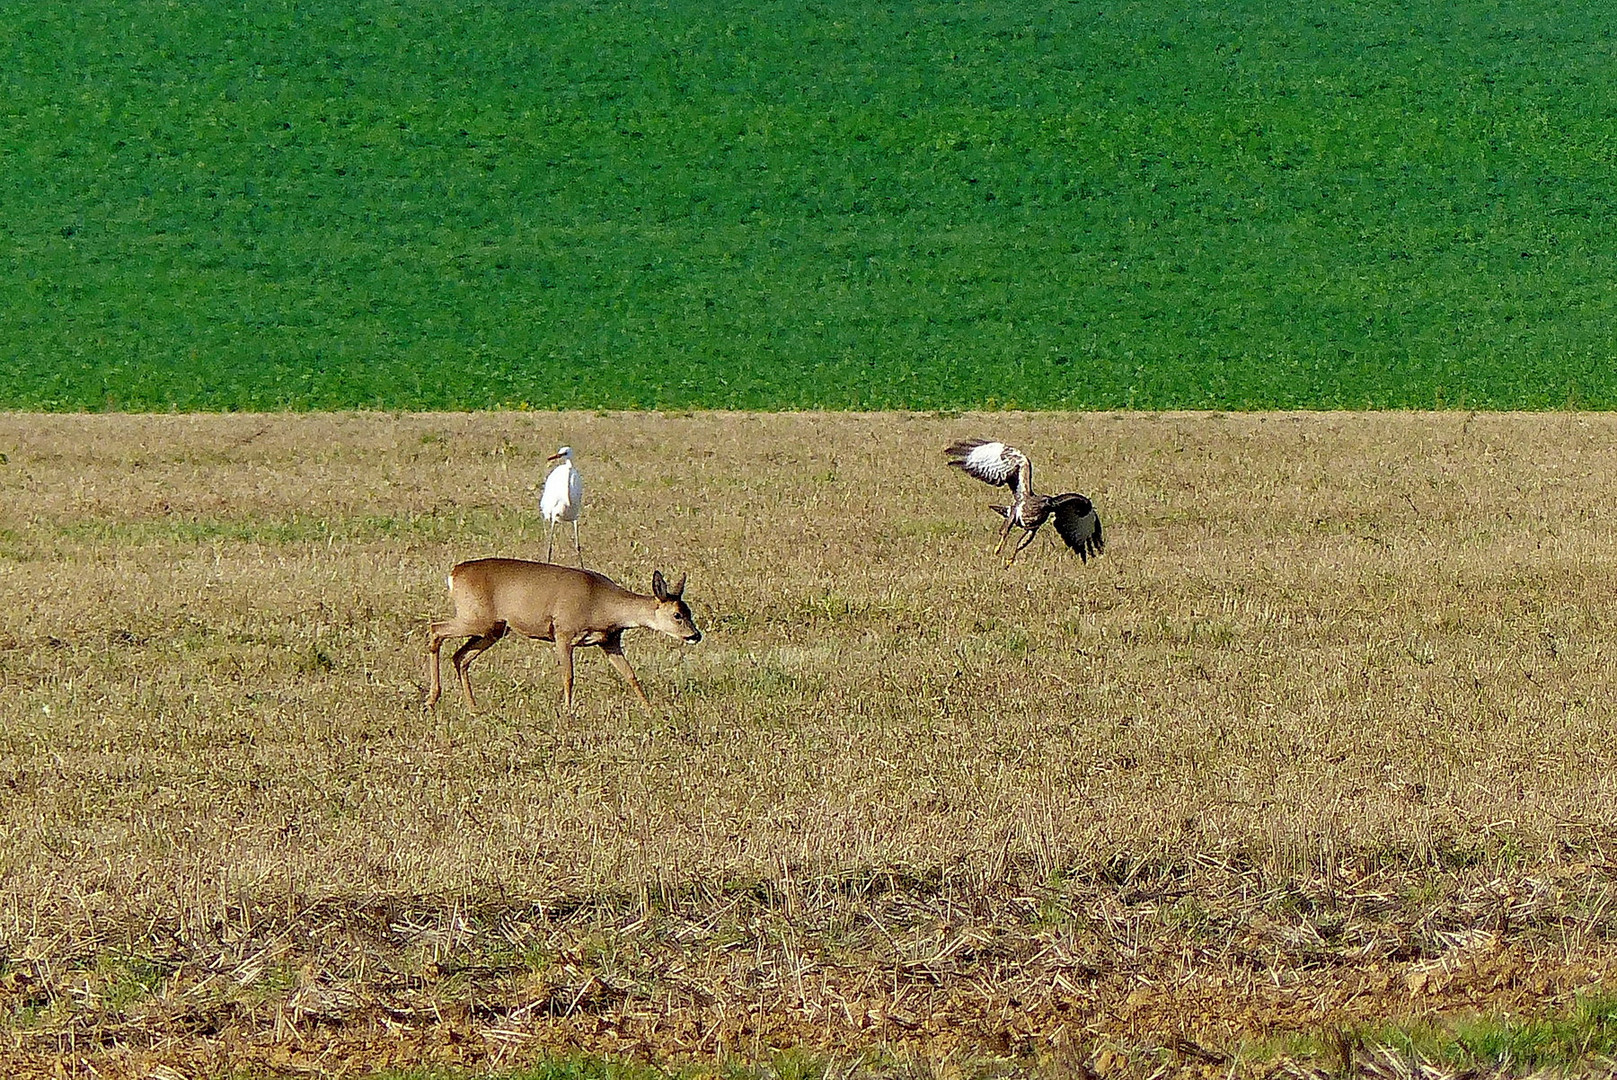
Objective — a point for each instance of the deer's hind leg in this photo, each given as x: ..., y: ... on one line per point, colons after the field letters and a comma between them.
x: 435, y: 641
x: 468, y: 652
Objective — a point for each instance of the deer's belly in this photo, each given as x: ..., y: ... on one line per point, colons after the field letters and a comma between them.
x: 548, y: 633
x: 537, y: 631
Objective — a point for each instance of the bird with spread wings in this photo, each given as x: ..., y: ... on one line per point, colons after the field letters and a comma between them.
x: 1005, y: 466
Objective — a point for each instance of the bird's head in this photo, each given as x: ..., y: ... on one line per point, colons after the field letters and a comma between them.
x: 564, y: 454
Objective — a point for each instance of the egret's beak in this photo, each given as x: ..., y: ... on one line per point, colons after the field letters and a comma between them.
x: 553, y: 457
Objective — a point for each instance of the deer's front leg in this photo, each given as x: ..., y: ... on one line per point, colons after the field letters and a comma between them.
x: 614, y: 654
x: 564, y: 657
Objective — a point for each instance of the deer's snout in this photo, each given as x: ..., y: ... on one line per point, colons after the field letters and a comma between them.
x: 693, y: 638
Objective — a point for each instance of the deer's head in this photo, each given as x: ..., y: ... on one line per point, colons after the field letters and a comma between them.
x: 672, y: 616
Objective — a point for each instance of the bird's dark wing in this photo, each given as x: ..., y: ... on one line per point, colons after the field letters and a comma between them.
x: 993, y: 463
x: 1078, y: 525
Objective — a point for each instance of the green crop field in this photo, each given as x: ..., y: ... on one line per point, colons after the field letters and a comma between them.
x: 1263, y: 203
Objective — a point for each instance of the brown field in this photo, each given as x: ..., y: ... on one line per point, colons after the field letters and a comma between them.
x: 1324, y: 740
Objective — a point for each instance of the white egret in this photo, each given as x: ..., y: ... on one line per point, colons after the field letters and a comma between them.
x: 562, y: 499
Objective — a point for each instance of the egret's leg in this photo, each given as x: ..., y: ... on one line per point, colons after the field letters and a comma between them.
x: 576, y: 549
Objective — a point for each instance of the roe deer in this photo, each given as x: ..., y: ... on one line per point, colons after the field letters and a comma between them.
x: 573, y: 608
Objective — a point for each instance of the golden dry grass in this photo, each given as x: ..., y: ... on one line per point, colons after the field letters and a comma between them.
x: 1326, y: 735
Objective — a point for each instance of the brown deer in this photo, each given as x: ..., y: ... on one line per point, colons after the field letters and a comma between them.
x: 573, y: 608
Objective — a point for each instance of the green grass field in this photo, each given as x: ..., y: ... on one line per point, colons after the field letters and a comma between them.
x: 940, y: 205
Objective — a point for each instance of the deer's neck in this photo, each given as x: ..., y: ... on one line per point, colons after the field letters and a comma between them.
x: 628, y: 609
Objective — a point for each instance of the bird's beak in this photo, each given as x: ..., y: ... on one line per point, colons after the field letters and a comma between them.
x: 553, y: 457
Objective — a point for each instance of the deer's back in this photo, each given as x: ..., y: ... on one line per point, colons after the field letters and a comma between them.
x: 531, y: 597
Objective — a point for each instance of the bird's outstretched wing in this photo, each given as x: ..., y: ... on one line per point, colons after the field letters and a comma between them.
x: 992, y: 463
x: 1078, y: 525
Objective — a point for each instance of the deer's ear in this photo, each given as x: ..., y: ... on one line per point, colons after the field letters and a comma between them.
x: 658, y: 589
x: 679, y: 588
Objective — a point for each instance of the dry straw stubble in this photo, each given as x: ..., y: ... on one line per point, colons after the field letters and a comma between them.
x: 1324, y: 656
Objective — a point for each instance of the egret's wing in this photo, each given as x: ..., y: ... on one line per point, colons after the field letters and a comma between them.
x: 992, y: 463
x: 1078, y: 525
x: 554, y: 499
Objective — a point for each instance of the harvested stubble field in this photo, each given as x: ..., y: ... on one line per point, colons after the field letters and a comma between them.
x: 1323, y: 742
